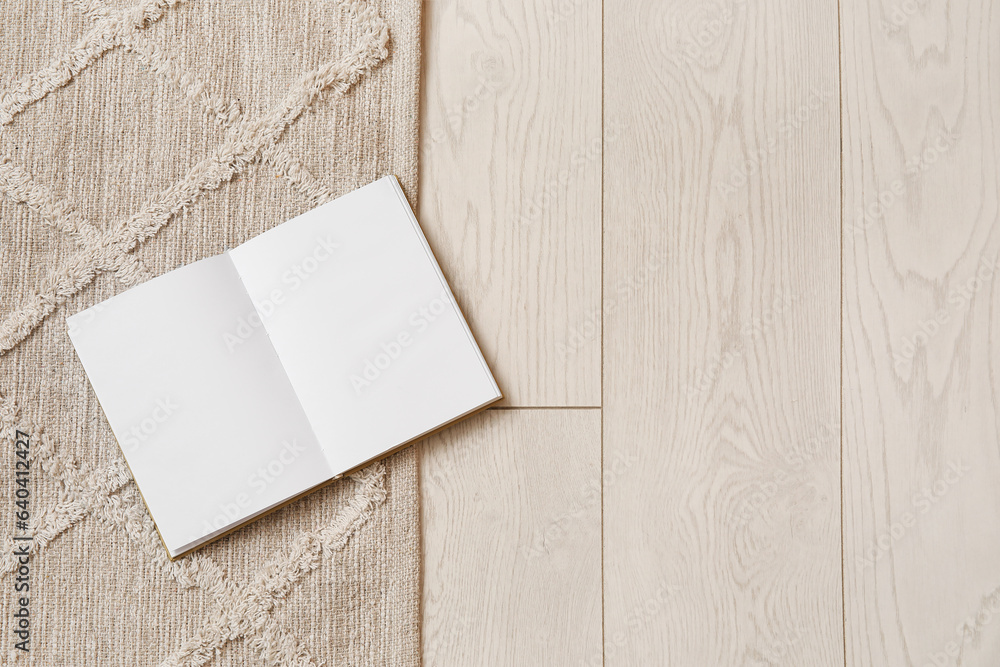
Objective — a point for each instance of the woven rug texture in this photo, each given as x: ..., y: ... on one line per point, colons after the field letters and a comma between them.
x: 137, y: 136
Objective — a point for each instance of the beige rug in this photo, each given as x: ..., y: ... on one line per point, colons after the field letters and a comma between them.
x: 137, y: 136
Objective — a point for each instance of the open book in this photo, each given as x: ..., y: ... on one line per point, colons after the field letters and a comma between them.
x: 241, y: 381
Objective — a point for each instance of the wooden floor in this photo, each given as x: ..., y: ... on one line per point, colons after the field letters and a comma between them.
x: 734, y: 265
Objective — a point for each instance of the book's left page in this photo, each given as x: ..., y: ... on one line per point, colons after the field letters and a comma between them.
x: 213, y: 432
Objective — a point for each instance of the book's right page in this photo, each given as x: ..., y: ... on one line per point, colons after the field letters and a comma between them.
x: 364, y: 324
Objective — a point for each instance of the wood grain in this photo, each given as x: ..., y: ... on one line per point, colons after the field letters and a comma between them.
x: 512, y: 540
x: 510, y: 201
x: 921, y: 110
x: 721, y: 334
x: 510, y: 186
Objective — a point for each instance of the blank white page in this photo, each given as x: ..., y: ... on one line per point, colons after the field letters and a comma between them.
x: 212, y: 430
x: 364, y: 324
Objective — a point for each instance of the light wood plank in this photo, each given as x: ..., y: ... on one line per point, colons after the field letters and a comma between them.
x: 510, y: 186
x: 921, y: 117
x: 721, y: 334
x: 512, y: 540
x: 510, y: 201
